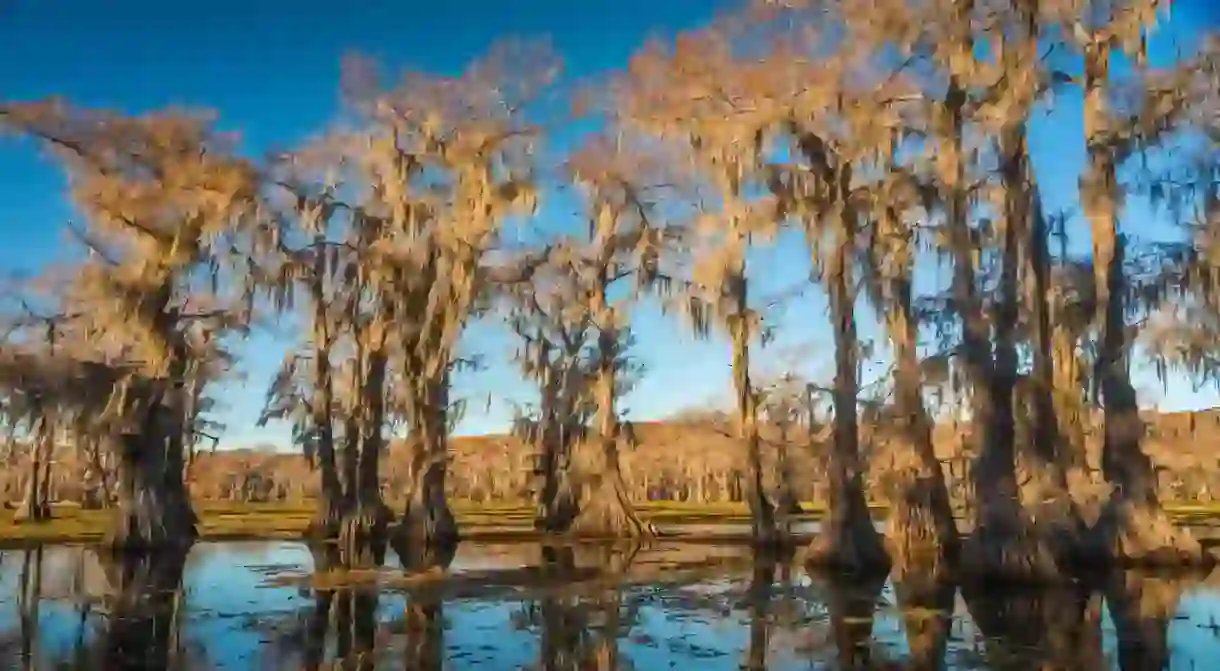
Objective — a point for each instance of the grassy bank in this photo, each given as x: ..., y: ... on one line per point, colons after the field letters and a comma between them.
x: 274, y: 520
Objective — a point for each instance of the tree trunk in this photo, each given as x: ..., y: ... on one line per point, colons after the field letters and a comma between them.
x: 146, y: 589
x: 173, y: 435
x: 428, y: 524
x: 148, y: 516
x: 847, y: 539
x: 549, y: 516
x: 764, y: 528
x: 1134, y: 528
x: 923, y: 536
x: 1001, y: 544
x: 363, y: 533
x: 35, y: 502
x: 787, y: 501
x: 331, y: 501
x: 1052, y: 455
x: 605, y: 510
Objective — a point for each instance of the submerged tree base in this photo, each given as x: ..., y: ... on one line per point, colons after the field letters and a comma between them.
x: 1131, y: 535
x: 849, y: 544
x: 363, y: 533
x: 1006, y: 547
x: 148, y: 525
x: 327, y: 519
x: 1045, y: 627
x: 606, y: 512
x: 28, y: 514
x: 922, y: 537
x: 425, y: 534
x: 154, y: 510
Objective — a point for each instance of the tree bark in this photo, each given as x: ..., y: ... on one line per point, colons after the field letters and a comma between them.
x: 148, y: 517
x: 923, y: 536
x: 605, y: 510
x: 332, y: 502
x: 363, y: 533
x: 546, y: 438
x: 1052, y: 456
x: 36, y: 501
x: 847, y: 539
x: 764, y: 528
x: 1001, y: 544
x: 428, y: 524
x: 171, y: 428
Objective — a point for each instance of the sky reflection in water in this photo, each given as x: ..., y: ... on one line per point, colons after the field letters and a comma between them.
x: 249, y: 605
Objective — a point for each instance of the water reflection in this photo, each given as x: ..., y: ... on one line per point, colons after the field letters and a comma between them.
x: 579, y: 628
x: 927, y: 617
x: 280, y: 605
x: 143, y: 604
x: 1142, y: 607
x: 1046, y: 628
x: 853, y: 607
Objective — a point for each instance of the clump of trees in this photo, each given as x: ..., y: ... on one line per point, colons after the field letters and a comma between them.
x: 163, y: 201
x: 887, y: 137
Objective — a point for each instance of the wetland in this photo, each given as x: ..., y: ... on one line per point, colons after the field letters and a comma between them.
x: 670, y: 604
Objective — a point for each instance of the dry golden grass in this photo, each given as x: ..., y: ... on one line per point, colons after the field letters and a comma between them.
x: 220, y: 521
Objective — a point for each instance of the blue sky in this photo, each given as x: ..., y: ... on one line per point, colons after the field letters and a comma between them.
x: 271, y: 68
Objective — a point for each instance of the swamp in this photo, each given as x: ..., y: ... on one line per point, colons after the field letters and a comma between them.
x: 281, y: 604
x: 856, y: 334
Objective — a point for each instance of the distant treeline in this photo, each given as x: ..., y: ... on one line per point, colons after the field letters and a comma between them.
x: 692, y: 461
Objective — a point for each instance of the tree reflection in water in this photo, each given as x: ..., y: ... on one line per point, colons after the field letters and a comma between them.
x: 852, y: 604
x: 350, y: 608
x: 143, y: 604
x: 927, y: 615
x: 579, y: 605
x: 766, y: 562
x: 28, y: 600
x: 425, y: 611
x: 582, y: 603
x: 1029, y: 626
x: 1142, y: 606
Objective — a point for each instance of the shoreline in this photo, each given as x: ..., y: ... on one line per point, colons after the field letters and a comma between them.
x: 219, y: 521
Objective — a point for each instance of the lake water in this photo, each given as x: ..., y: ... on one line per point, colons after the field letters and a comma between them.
x: 262, y: 605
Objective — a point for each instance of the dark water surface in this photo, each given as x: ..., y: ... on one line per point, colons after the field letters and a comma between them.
x: 262, y: 605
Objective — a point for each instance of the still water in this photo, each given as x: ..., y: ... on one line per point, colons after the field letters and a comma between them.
x: 272, y: 605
